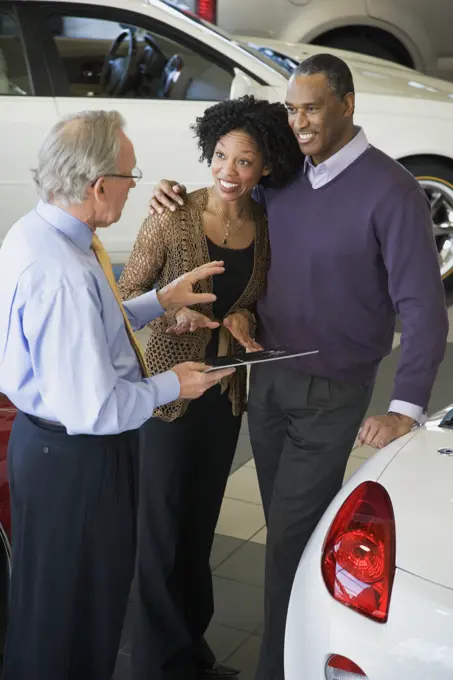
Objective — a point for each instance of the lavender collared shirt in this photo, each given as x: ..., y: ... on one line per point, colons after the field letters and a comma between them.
x: 322, y: 174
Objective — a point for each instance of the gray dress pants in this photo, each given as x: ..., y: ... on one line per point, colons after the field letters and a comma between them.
x: 302, y: 429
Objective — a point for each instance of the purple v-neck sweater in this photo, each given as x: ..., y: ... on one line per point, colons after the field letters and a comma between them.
x: 345, y: 258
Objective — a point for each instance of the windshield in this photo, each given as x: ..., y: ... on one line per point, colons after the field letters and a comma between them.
x: 251, y: 49
x: 286, y: 63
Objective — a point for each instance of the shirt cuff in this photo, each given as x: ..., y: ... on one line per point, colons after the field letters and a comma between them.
x: 143, y: 309
x: 167, y: 387
x: 405, y: 408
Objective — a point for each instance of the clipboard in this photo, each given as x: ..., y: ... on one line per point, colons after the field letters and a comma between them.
x: 249, y: 358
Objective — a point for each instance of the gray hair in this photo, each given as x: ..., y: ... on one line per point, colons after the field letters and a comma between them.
x: 77, y: 150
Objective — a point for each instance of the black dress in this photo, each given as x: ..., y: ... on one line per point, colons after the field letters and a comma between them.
x: 182, y: 482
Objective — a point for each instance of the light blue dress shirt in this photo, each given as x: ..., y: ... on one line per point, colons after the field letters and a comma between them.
x: 322, y: 174
x: 64, y: 350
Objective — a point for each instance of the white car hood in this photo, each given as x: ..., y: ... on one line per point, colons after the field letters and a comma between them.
x: 420, y: 483
x: 371, y: 75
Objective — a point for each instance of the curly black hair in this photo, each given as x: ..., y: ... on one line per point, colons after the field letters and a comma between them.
x: 265, y: 122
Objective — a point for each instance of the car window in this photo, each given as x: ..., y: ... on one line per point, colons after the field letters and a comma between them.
x: 102, y: 57
x: 14, y: 76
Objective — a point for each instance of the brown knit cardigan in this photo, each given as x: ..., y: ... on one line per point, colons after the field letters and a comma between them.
x: 166, y: 247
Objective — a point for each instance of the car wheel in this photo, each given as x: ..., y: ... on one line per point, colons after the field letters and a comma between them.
x: 5, y: 575
x: 436, y: 178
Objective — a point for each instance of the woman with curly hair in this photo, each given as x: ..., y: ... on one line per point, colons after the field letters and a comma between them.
x: 188, y: 447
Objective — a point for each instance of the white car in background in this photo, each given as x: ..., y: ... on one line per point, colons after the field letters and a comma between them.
x: 373, y: 594
x: 157, y: 66
x: 415, y: 33
x: 161, y: 68
x: 433, y: 171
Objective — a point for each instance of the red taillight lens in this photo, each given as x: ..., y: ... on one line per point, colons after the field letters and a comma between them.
x: 207, y: 10
x: 358, y: 561
x: 339, y: 668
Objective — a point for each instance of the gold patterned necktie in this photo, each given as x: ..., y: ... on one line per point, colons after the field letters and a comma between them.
x: 104, y: 261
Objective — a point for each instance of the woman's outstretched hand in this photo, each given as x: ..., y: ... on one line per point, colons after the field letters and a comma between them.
x: 239, y: 326
x: 189, y: 321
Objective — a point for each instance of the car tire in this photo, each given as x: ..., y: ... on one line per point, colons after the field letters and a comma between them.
x: 355, y: 43
x: 436, y: 178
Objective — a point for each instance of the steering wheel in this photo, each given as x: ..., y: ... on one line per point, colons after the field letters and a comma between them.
x: 150, y: 40
x: 170, y: 75
x: 117, y: 72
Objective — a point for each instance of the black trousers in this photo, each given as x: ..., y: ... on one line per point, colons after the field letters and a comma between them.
x: 73, y: 503
x: 184, y: 468
x: 302, y: 429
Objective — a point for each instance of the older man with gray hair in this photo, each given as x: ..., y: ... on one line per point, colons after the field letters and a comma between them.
x: 71, y: 364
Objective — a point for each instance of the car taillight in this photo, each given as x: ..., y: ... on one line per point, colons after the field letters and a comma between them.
x: 207, y: 10
x: 340, y: 668
x: 358, y: 561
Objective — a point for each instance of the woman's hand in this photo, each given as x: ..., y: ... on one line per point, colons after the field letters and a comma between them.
x: 239, y: 326
x: 188, y: 321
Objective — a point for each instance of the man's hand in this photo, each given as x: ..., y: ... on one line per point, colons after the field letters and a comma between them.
x: 166, y: 196
x: 188, y: 321
x: 239, y: 326
x: 378, y: 431
x: 194, y: 381
x: 179, y: 293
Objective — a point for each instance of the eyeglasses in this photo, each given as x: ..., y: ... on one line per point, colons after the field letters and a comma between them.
x: 136, y: 175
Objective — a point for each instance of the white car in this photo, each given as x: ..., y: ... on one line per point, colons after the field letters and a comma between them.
x: 373, y: 594
x: 433, y: 171
x: 415, y: 33
x: 161, y: 68
x: 157, y: 66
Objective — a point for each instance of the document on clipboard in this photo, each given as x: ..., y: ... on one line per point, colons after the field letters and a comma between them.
x: 246, y: 359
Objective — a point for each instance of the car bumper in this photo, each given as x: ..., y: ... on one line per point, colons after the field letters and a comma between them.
x: 416, y: 643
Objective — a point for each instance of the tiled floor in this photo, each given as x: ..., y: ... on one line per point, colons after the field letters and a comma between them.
x: 237, y: 561
x: 238, y: 553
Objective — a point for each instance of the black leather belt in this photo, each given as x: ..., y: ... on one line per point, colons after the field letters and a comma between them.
x: 47, y: 424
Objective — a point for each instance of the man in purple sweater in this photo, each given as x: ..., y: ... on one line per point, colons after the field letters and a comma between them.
x: 351, y: 246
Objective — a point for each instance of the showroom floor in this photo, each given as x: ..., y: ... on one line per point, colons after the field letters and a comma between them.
x: 238, y: 553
